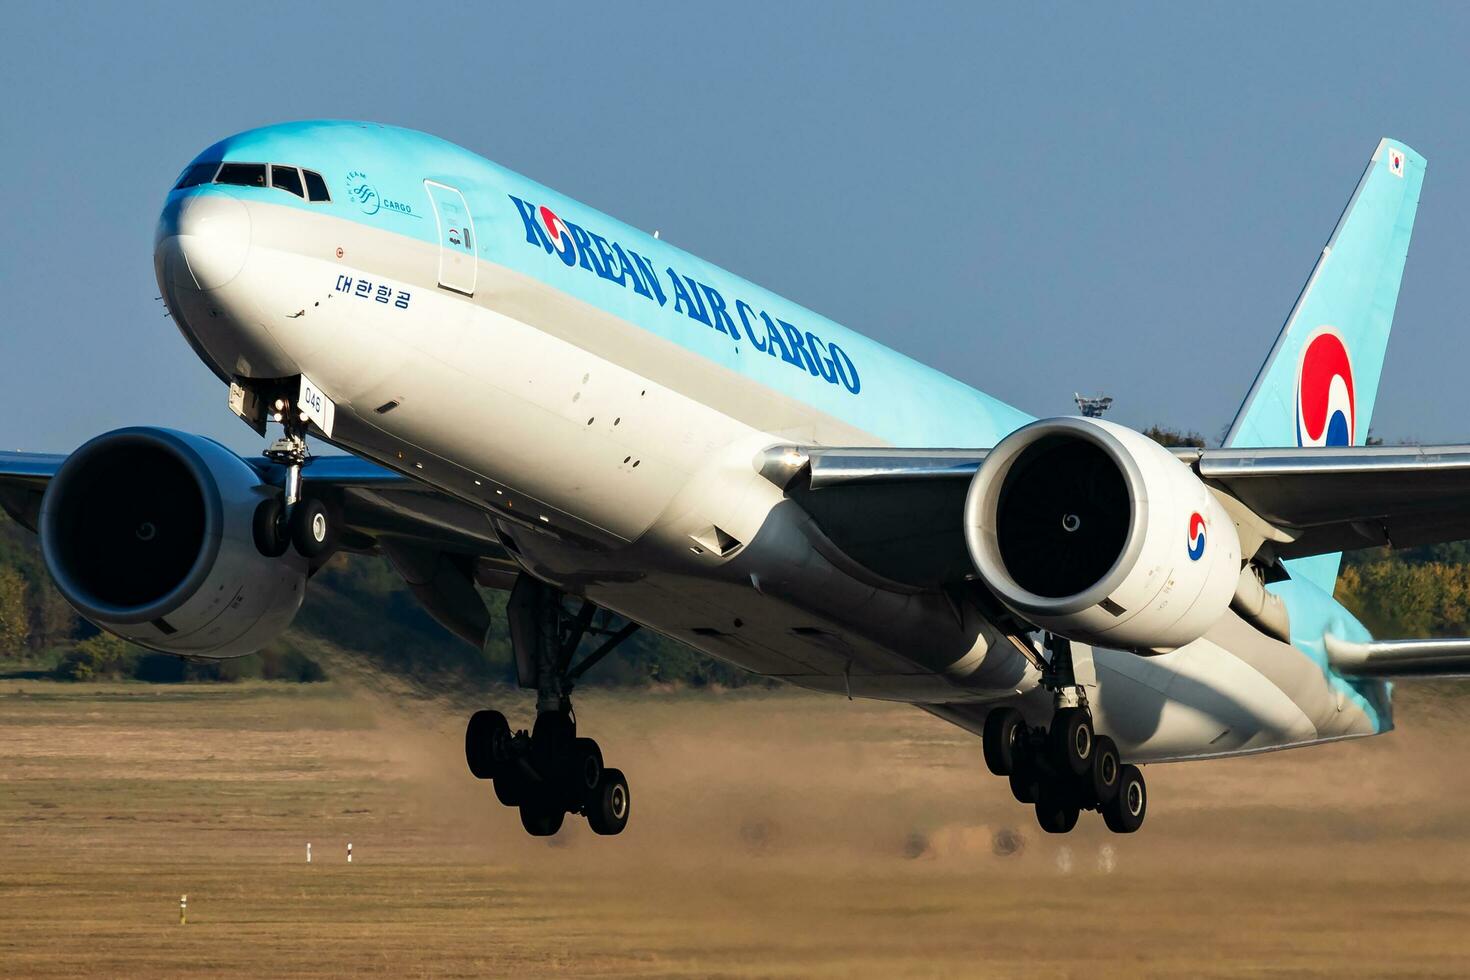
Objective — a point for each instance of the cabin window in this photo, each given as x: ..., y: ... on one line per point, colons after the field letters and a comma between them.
x: 287, y: 179
x: 242, y: 174
x: 196, y: 174
x: 316, y: 188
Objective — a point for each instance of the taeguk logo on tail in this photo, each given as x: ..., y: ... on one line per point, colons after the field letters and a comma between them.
x: 1196, y: 536
x: 1326, y: 409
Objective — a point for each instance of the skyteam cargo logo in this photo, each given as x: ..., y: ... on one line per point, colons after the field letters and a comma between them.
x: 699, y: 301
x: 1326, y: 413
x: 1196, y: 536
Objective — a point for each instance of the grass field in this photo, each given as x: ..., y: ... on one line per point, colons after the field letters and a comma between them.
x: 772, y: 834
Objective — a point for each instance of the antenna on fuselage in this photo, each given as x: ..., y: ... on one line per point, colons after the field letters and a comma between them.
x: 1092, y: 407
x: 655, y: 233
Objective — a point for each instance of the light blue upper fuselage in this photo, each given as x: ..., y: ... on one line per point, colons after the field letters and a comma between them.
x: 376, y: 175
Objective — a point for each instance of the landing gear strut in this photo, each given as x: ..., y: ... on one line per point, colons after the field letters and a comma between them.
x: 292, y: 519
x: 550, y: 771
x: 1067, y: 767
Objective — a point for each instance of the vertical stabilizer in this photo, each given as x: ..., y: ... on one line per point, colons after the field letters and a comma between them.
x: 1319, y: 383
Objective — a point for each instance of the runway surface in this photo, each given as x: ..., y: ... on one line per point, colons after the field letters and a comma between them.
x: 772, y: 834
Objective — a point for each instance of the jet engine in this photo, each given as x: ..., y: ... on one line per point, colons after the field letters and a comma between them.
x: 149, y: 533
x: 1097, y: 533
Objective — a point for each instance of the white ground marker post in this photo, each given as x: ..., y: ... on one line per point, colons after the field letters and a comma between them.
x: 183, y: 909
x: 308, y: 852
x: 349, y: 852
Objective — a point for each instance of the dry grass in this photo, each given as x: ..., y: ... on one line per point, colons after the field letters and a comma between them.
x: 773, y: 834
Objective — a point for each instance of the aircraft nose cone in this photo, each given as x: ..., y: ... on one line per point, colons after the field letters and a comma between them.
x: 212, y: 236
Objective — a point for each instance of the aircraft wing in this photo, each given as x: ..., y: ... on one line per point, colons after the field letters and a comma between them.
x: 437, y: 543
x: 899, y: 511
x: 375, y: 500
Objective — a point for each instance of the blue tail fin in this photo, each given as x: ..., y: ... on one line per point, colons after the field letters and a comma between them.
x: 1320, y: 380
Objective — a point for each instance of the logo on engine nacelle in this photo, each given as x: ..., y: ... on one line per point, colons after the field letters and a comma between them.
x: 1196, y: 536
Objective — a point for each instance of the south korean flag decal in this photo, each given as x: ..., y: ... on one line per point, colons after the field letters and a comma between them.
x: 1395, y: 161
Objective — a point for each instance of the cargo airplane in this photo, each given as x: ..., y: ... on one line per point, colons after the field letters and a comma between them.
x: 539, y: 398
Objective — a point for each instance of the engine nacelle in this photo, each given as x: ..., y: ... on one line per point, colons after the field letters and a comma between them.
x: 1097, y: 533
x: 149, y: 534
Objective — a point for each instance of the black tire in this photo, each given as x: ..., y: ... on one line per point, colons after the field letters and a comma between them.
x: 485, y: 738
x: 1025, y: 784
x: 1056, y: 808
x: 312, y: 529
x: 580, y: 772
x: 1003, y: 740
x: 510, y: 787
x: 1072, y: 742
x: 1125, y: 813
x: 268, y: 527
x: 551, y: 738
x: 1105, y: 773
x: 541, y: 820
x: 607, y: 813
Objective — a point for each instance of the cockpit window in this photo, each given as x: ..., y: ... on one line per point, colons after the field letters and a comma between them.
x: 306, y: 184
x: 287, y: 179
x: 242, y: 174
x: 316, y: 188
x: 196, y: 174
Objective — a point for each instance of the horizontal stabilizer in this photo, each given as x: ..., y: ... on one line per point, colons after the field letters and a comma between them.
x: 1399, y: 658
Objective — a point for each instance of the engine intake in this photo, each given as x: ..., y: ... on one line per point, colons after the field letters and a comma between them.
x: 148, y: 533
x: 1097, y: 533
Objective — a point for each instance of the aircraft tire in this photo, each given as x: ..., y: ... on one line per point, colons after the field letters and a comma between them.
x: 541, y: 819
x: 1104, y: 775
x: 1025, y: 784
x: 1125, y: 813
x: 607, y: 813
x: 581, y: 771
x: 1056, y: 808
x: 311, y: 528
x: 485, y: 733
x: 1003, y: 740
x: 1072, y: 740
x: 510, y: 788
x: 268, y: 528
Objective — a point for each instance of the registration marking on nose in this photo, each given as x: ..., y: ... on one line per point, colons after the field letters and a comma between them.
x: 318, y: 408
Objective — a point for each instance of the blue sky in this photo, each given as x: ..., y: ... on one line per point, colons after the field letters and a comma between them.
x: 1038, y: 199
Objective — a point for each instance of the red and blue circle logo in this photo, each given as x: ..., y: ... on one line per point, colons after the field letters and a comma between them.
x: 1196, y: 536
x: 1326, y: 407
x: 557, y: 229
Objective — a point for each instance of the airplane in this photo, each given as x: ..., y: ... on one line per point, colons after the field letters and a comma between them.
x: 536, y: 397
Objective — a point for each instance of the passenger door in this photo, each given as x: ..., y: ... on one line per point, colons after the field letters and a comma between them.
x: 456, y: 238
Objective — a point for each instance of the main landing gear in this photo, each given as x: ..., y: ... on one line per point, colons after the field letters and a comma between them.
x: 292, y: 519
x: 550, y: 771
x: 1066, y: 768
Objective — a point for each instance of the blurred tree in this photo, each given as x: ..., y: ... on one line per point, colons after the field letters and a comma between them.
x: 15, y: 625
x: 53, y: 620
x: 1174, y: 437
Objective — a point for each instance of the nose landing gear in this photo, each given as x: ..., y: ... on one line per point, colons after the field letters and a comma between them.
x: 292, y: 519
x: 550, y: 771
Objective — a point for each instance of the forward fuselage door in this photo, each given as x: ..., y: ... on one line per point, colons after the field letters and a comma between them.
x: 456, y: 238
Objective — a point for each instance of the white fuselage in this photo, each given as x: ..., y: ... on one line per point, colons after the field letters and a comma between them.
x: 623, y: 468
